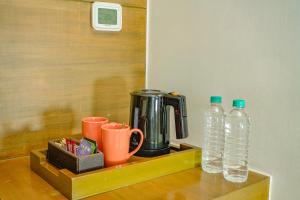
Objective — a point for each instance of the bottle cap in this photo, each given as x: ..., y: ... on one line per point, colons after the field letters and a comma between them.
x: 215, y: 99
x: 240, y: 103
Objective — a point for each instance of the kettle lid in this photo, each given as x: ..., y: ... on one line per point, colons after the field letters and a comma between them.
x: 148, y: 93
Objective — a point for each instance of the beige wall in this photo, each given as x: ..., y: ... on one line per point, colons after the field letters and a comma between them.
x: 237, y: 49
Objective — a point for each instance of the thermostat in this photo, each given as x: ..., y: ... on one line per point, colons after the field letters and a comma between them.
x: 106, y: 16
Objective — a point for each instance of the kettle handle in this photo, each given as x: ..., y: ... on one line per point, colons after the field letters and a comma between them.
x: 179, y: 105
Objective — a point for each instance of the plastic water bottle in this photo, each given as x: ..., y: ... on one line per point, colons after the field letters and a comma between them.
x: 237, y: 128
x: 213, y: 146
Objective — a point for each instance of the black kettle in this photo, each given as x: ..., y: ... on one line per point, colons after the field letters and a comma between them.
x: 149, y: 112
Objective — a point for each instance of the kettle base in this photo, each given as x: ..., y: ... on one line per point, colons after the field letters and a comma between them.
x: 152, y: 152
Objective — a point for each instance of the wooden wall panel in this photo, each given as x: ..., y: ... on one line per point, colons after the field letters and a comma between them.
x: 55, y: 69
x: 128, y: 3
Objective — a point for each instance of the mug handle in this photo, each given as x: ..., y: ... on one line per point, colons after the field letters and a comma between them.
x: 140, y: 143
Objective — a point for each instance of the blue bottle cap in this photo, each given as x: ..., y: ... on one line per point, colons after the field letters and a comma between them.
x: 240, y: 103
x: 215, y: 99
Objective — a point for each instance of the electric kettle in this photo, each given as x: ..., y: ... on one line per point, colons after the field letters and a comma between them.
x: 149, y: 112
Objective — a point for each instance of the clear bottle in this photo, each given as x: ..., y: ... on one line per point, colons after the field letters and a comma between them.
x: 213, y: 145
x: 237, y: 128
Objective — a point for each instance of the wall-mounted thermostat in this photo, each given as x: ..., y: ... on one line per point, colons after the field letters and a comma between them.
x: 107, y: 16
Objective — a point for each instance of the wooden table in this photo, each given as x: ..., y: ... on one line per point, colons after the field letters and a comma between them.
x: 17, y: 181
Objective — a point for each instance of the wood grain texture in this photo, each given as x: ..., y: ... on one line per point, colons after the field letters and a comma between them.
x: 55, y: 69
x: 126, y: 3
x: 17, y: 181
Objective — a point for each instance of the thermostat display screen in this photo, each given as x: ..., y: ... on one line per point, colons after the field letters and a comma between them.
x: 107, y: 16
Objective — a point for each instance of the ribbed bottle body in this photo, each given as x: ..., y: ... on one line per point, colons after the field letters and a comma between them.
x: 213, y: 145
x: 235, y: 160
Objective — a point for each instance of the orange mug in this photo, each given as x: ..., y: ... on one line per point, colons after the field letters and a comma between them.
x: 91, y: 128
x: 115, y: 140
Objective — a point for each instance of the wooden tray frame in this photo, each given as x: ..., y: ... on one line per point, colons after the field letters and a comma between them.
x: 136, y: 170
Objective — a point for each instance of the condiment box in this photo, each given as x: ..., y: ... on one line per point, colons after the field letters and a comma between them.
x: 61, y: 158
